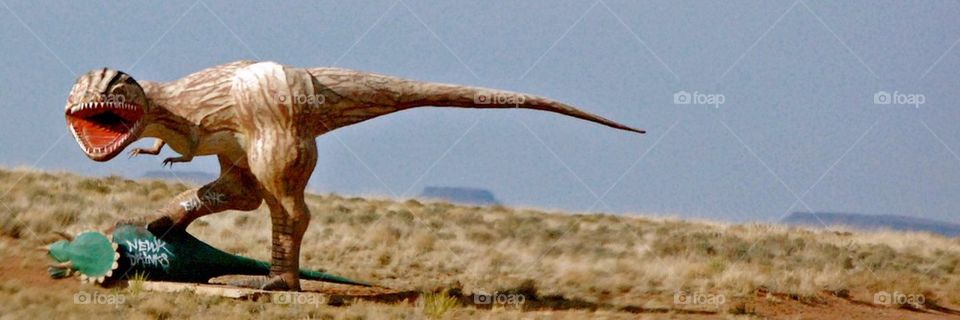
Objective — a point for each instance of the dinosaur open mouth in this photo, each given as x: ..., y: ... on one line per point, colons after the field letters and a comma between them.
x: 103, y: 128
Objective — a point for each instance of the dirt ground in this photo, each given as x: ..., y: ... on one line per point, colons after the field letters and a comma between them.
x: 25, y: 267
x: 440, y: 261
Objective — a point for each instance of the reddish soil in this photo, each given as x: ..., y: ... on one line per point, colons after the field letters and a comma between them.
x: 29, y: 266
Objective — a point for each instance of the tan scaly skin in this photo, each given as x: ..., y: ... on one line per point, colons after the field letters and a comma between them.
x: 260, y: 120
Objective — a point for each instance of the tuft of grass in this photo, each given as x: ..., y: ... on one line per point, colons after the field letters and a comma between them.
x: 436, y: 305
x: 65, y: 216
x: 135, y: 282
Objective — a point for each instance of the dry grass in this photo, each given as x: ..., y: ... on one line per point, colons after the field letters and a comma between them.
x: 597, y: 259
x: 436, y: 305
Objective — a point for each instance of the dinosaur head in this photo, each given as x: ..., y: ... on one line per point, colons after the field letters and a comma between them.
x: 105, y: 112
x: 92, y: 255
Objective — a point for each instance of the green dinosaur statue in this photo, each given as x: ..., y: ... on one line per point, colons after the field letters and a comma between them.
x: 178, y: 256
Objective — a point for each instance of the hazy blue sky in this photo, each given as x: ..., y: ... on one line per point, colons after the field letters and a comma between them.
x: 798, y: 128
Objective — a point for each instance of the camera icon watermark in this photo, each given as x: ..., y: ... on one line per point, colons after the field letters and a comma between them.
x: 696, y: 97
x: 498, y: 97
x: 93, y: 297
x: 897, y: 298
x: 298, y: 298
x: 698, y: 298
x: 499, y: 298
x: 898, y: 98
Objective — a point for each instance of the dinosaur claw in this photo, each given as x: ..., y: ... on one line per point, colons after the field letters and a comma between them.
x: 262, y: 283
x: 171, y: 161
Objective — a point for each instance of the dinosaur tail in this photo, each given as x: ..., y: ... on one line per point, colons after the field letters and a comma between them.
x: 326, y: 277
x: 384, y: 94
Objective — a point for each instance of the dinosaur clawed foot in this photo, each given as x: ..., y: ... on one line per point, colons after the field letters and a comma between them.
x: 273, y: 283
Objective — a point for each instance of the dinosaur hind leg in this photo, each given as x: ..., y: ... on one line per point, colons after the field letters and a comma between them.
x: 235, y: 189
x: 283, y: 172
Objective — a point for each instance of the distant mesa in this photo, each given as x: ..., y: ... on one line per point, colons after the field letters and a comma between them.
x: 197, y: 177
x: 462, y: 195
x: 873, y: 222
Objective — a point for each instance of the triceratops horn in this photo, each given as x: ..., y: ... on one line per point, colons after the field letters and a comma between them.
x: 65, y: 235
x: 65, y: 264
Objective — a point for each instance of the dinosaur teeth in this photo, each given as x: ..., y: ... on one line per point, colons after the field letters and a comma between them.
x: 102, y: 105
x: 103, y: 128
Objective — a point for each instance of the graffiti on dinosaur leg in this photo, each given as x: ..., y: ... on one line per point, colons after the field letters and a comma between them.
x: 208, y: 198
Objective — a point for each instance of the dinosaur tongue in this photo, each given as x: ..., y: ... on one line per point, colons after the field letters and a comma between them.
x: 101, y: 128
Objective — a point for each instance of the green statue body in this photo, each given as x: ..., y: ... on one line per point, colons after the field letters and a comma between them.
x: 178, y: 256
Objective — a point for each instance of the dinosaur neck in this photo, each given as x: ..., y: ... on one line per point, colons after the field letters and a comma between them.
x: 165, y: 120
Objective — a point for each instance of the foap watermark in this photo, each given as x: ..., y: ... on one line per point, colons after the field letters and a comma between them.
x: 698, y: 298
x: 498, y: 97
x: 697, y: 97
x: 103, y: 97
x: 897, y: 298
x: 499, y: 298
x: 899, y: 98
x: 311, y: 100
x: 93, y: 297
x: 298, y: 298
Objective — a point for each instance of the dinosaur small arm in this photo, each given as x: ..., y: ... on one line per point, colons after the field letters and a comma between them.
x: 260, y: 119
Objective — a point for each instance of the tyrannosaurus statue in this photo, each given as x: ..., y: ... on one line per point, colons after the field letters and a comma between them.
x: 261, y: 121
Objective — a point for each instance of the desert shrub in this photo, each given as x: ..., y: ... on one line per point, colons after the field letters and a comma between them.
x: 424, y: 242
x: 403, y: 216
x: 480, y: 236
x: 93, y: 185
x: 365, y: 217
x: 413, y: 203
x: 436, y: 305
x: 11, y: 226
x: 382, y: 233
